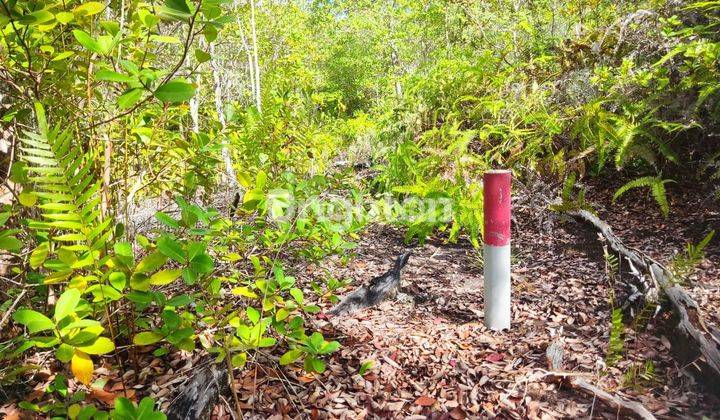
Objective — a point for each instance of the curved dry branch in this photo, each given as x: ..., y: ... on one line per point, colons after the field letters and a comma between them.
x: 692, y: 343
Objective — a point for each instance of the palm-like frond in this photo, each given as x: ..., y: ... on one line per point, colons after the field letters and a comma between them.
x: 68, y: 191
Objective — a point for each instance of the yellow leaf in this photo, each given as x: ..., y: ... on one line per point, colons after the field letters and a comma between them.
x: 164, y: 277
x: 88, y: 9
x: 82, y: 367
x: 244, y: 291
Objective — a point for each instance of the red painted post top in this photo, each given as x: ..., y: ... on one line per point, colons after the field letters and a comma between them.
x: 496, y: 193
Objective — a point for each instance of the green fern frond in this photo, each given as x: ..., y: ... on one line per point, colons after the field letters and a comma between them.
x: 645, y: 181
x: 66, y: 187
x: 616, y: 344
x: 626, y: 134
x: 658, y: 192
x: 657, y: 188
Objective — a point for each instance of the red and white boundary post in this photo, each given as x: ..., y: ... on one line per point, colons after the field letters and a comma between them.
x: 496, y: 194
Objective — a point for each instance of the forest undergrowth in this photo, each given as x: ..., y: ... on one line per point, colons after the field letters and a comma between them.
x: 170, y: 169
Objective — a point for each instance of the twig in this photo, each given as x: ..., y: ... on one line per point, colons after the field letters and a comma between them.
x: 11, y: 308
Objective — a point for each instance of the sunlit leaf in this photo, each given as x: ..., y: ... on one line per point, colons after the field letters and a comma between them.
x: 33, y: 320
x: 102, y: 345
x: 87, y: 41
x: 147, y: 337
x: 82, y: 367
x: 88, y: 9
x: 67, y: 303
x: 164, y: 277
x: 175, y: 91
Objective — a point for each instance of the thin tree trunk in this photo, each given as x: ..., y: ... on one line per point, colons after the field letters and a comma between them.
x: 195, y: 108
x: 248, y: 52
x: 219, y: 108
x: 107, y: 174
x: 258, y: 101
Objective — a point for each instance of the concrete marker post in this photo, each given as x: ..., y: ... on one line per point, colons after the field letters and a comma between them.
x: 496, y: 194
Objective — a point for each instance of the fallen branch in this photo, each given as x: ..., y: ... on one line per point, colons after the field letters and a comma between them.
x: 554, y: 356
x: 692, y: 343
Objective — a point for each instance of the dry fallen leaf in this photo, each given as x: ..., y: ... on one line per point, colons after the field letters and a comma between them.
x: 495, y: 357
x: 425, y: 401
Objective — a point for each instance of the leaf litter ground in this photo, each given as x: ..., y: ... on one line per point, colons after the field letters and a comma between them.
x: 432, y: 356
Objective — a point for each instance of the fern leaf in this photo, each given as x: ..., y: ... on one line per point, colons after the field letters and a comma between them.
x: 66, y: 187
x: 658, y: 192
x: 645, y: 181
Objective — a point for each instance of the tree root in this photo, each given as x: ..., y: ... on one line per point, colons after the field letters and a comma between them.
x: 200, y: 394
x: 632, y: 408
x: 691, y: 342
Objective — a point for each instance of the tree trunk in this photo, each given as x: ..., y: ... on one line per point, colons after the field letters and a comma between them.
x: 258, y: 98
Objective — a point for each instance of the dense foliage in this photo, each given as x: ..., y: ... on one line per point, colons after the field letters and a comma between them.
x: 108, y: 106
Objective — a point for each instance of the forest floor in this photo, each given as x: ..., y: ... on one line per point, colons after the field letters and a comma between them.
x: 433, y: 357
x: 437, y: 357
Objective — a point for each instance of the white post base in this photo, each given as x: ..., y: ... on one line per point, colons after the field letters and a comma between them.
x: 497, y: 287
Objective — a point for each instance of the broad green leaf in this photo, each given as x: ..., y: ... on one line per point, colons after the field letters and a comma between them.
x: 124, y: 251
x: 167, y: 220
x: 88, y: 9
x: 329, y: 347
x: 313, y: 364
x: 202, y: 264
x: 365, y: 367
x: 297, y: 294
x: 179, y: 301
x: 201, y: 56
x: 39, y: 254
x: 34, y: 321
x: 164, y: 277
x: 147, y: 337
x: 253, y: 314
x: 67, y: 303
x: 290, y: 356
x: 103, y: 292
x: 102, y: 345
x: 112, y: 76
x: 106, y: 43
x: 281, y: 314
x: 244, y: 291
x: 112, y: 27
x: 210, y: 33
x: 86, y: 336
x: 239, y: 360
x: 64, y: 353
x: 87, y: 41
x: 129, y: 98
x: 171, y: 248
x: 82, y: 323
x: 267, y: 342
x: 175, y: 91
x: 4, y: 216
x: 118, y: 280
x: 27, y: 198
x: 177, y: 8
x: 82, y: 367
x: 311, y: 309
x: 64, y: 17
x: 10, y: 243
x: 151, y: 262
x: 140, y: 281
x: 63, y: 55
